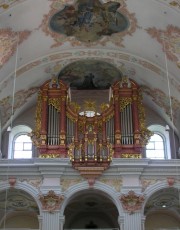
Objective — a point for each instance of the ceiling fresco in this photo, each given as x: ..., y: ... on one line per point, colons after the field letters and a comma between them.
x: 73, y: 38
x: 90, y: 75
x: 89, y: 20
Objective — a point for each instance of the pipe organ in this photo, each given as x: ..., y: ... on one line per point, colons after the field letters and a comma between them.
x: 118, y: 131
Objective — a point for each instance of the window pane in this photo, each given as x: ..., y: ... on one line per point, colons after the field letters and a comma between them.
x: 23, y: 138
x: 22, y: 154
x: 160, y: 154
x: 18, y: 146
x: 159, y: 145
x: 150, y: 145
x: 27, y: 146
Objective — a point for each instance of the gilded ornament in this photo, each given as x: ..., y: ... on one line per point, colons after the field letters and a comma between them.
x: 44, y: 155
x: 124, y: 101
x: 70, y: 117
x: 131, y: 155
x: 104, y: 106
x: 145, y: 133
x: 35, y: 135
x: 38, y: 114
x: 56, y: 103
x: 111, y: 115
x: 45, y: 98
x: 89, y: 105
x: 75, y: 107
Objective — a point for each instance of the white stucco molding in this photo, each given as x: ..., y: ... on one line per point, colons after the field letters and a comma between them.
x: 98, y: 186
x: 32, y: 191
x: 157, y: 187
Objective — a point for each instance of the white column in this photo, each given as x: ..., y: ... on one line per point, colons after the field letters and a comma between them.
x: 50, y: 220
x: 132, y: 221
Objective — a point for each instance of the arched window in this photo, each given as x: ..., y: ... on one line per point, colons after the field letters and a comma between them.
x: 155, y: 147
x: 158, y: 146
x: 20, y: 144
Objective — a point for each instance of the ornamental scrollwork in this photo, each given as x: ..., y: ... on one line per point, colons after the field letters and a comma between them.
x: 51, y: 202
x: 125, y: 101
x: 145, y: 133
x: 49, y: 155
x: 56, y: 103
x: 132, y: 202
x: 131, y: 155
x: 38, y: 114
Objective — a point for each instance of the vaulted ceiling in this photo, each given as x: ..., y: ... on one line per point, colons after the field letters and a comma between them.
x: 40, y: 39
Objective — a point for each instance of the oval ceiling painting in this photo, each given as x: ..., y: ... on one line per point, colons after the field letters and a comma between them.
x: 90, y: 75
x: 88, y: 20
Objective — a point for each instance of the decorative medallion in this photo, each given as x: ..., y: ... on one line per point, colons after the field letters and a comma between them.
x: 51, y: 201
x: 88, y: 20
x: 132, y: 202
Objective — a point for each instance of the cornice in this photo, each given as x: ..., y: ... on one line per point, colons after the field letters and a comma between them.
x: 62, y: 166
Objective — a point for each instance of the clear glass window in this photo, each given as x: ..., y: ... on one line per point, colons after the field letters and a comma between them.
x: 155, y: 147
x: 22, y: 147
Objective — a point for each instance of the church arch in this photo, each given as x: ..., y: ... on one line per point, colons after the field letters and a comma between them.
x: 91, y: 203
x: 21, y: 204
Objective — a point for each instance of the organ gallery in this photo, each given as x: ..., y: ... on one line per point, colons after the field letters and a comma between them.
x: 64, y: 130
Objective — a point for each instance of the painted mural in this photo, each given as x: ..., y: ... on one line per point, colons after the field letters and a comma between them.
x: 90, y: 74
x: 88, y: 20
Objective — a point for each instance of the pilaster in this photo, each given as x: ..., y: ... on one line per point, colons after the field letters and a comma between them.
x: 132, y: 221
x: 51, y: 220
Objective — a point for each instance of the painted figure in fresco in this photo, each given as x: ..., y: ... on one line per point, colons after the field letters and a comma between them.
x: 88, y: 82
x: 88, y: 20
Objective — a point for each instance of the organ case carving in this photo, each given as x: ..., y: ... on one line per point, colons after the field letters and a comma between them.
x: 118, y: 131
